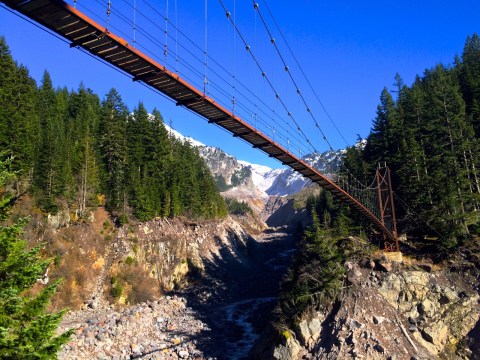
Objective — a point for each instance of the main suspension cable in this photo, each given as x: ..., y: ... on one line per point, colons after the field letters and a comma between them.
x: 247, y: 47
x: 303, y: 73
x: 287, y: 69
x: 247, y: 89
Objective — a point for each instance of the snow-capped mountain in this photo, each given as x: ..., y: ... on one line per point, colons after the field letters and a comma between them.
x: 245, y: 180
x: 181, y: 137
x: 290, y: 182
x: 262, y: 176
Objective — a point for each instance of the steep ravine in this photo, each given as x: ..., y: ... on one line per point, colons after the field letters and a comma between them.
x: 387, y: 310
x: 245, y: 294
x: 219, y: 283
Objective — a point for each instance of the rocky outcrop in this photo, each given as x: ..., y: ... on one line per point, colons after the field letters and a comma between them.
x: 227, y: 167
x: 439, y: 313
x: 170, y: 249
x: 389, y: 311
x: 60, y: 219
x: 281, y: 210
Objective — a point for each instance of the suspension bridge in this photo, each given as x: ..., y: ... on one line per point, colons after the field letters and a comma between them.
x: 66, y: 21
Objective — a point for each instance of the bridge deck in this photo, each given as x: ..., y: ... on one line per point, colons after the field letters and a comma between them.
x: 63, y: 19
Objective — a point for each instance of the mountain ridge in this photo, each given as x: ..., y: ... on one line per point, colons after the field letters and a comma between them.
x: 237, y: 177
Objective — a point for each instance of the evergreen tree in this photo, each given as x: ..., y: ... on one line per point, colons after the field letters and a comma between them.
x: 470, y: 79
x: 82, y: 128
x: 159, y: 169
x: 7, y: 90
x: 141, y: 163
x: 316, y: 276
x: 380, y: 141
x: 73, y: 149
x: 49, y: 175
x: 415, y: 182
x: 113, y: 143
x: 447, y: 139
x: 18, y: 125
x: 428, y: 138
x: 26, y: 330
x: 24, y: 127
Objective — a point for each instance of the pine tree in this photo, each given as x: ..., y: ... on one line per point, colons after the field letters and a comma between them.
x: 8, y: 71
x: 380, y: 144
x: 24, y: 127
x: 415, y: 171
x: 137, y: 130
x: 49, y: 175
x: 18, y: 122
x: 316, y: 276
x: 447, y: 140
x: 161, y: 157
x: 73, y: 149
x: 26, y: 330
x: 84, y: 113
x: 470, y: 79
x: 113, y: 145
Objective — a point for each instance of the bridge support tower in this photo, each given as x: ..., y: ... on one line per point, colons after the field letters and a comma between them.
x: 387, y: 208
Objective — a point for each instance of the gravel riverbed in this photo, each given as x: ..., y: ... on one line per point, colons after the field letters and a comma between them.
x: 239, y: 298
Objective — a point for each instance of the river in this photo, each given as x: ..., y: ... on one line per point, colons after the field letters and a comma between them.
x: 242, y: 292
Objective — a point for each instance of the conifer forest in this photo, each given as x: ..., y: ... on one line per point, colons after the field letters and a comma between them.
x: 428, y: 133
x: 71, y: 147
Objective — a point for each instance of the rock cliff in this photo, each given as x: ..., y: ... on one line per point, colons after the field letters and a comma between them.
x: 389, y: 310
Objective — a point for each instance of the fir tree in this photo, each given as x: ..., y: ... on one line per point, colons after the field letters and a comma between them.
x: 7, y: 90
x: 447, y: 139
x: 72, y: 149
x: 470, y: 79
x: 113, y: 144
x: 18, y: 122
x: 49, y: 175
x: 380, y: 141
x: 82, y: 127
x: 27, y: 331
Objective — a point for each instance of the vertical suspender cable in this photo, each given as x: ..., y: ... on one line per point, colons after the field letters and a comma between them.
x: 234, y: 50
x: 165, y: 47
x: 134, y: 23
x: 176, y: 37
x: 205, y: 81
x: 255, y: 45
x: 109, y: 10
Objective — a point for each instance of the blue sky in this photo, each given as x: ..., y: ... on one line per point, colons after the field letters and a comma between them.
x: 349, y: 50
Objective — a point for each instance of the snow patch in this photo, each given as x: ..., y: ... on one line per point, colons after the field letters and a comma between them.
x: 181, y: 137
x: 262, y: 176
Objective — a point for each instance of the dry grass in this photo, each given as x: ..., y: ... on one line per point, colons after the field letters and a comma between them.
x: 76, y: 251
x: 140, y: 287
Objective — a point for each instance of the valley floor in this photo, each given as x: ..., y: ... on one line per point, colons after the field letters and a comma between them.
x: 219, y: 316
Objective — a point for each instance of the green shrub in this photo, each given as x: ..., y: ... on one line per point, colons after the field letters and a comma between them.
x: 116, y: 290
x: 237, y: 208
x: 129, y: 261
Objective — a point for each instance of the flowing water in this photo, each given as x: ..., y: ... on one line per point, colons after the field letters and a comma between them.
x: 244, y: 291
x: 241, y: 314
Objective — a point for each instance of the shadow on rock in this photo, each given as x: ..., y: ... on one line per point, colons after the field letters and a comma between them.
x: 236, y: 293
